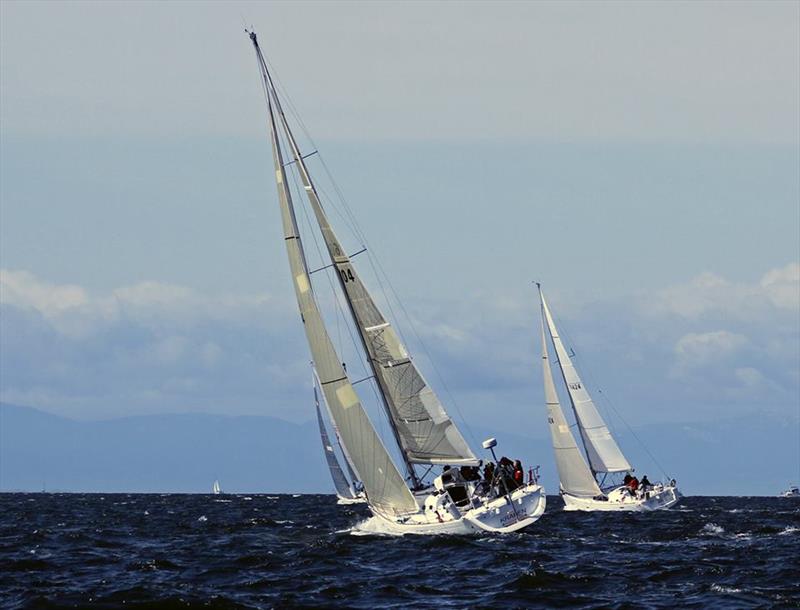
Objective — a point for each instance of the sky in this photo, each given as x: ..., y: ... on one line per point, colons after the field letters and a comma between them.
x: 641, y: 160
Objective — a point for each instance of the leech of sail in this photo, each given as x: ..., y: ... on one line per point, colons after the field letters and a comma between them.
x: 383, y: 484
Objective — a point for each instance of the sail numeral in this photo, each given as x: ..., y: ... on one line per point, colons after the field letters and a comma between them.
x: 550, y: 420
x: 575, y: 386
x: 347, y: 275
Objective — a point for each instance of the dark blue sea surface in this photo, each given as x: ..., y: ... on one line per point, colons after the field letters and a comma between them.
x: 264, y: 551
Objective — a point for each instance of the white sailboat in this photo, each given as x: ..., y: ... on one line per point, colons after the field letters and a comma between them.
x: 580, y: 487
x: 216, y: 489
x: 424, y: 433
x: 348, y: 490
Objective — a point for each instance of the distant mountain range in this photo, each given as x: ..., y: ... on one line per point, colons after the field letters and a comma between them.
x: 758, y: 455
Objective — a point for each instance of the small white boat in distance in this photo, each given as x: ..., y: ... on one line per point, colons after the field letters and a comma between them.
x: 216, y: 489
x: 792, y: 492
x: 580, y: 487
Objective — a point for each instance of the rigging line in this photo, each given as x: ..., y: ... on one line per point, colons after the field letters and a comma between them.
x: 636, y: 436
x: 588, y: 374
x: 355, y: 231
x: 355, y: 228
x: 296, y: 115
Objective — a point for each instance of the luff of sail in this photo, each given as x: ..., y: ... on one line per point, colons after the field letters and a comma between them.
x: 573, y: 472
x: 343, y: 488
x: 384, y: 485
x: 425, y: 432
x: 602, y: 450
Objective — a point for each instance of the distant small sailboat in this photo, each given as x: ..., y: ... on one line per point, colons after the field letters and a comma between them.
x: 792, y: 492
x: 580, y: 488
x: 347, y: 491
x: 216, y: 489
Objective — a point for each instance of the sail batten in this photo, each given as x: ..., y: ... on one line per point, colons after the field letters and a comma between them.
x: 602, y: 450
x: 424, y: 431
x: 384, y: 486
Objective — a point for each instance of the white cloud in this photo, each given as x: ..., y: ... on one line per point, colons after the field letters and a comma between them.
x: 705, y: 348
x: 708, y: 293
x: 23, y: 289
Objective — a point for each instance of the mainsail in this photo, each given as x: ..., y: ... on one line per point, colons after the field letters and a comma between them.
x: 385, y: 487
x: 602, y: 450
x: 343, y: 488
x: 574, y: 474
x: 423, y: 429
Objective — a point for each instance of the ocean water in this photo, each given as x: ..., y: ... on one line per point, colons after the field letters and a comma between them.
x: 284, y: 551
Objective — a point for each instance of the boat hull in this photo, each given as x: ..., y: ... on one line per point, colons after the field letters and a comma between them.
x: 620, y: 500
x: 501, y: 515
x: 341, y: 500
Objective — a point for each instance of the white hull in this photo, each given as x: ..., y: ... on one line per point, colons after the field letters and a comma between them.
x: 360, y: 499
x: 621, y: 500
x: 497, y: 516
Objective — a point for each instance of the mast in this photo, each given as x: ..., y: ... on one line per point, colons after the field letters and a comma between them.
x: 312, y: 194
x: 553, y: 337
x: 424, y: 432
x: 573, y: 472
x: 602, y: 451
x: 385, y: 488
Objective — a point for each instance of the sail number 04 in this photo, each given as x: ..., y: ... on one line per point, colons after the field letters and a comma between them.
x: 347, y: 275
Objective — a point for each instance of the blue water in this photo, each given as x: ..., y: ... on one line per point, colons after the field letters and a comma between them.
x: 262, y: 551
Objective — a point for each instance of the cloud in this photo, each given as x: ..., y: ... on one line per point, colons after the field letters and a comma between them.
x: 701, y: 348
x: 777, y: 291
x: 686, y: 352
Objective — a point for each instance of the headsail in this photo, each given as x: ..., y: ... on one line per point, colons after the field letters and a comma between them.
x: 343, y: 488
x: 574, y: 474
x: 384, y: 485
x: 602, y: 450
x: 424, y: 430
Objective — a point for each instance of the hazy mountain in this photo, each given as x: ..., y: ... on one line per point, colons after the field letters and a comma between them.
x: 185, y: 453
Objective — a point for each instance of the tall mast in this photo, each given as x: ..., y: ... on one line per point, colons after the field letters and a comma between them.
x: 553, y: 337
x: 312, y: 192
x: 602, y: 451
x: 384, y: 485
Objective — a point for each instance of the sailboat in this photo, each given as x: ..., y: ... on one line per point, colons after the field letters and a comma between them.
x: 581, y: 488
x: 216, y: 489
x: 348, y: 489
x: 456, y: 501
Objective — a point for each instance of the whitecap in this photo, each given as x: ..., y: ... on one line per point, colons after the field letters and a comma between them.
x: 722, y: 589
x: 284, y: 521
x: 247, y: 498
x: 202, y: 518
x: 713, y: 528
x: 789, y: 529
x: 296, y: 495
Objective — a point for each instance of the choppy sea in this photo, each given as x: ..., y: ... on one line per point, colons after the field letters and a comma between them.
x: 285, y: 551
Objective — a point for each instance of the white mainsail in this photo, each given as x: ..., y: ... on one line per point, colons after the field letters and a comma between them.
x: 424, y: 431
x: 602, y: 450
x: 573, y: 472
x: 385, y: 487
x: 216, y: 489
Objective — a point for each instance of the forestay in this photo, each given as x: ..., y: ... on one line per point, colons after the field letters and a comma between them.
x: 425, y: 432
x: 602, y: 450
x: 384, y: 485
x: 574, y: 474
